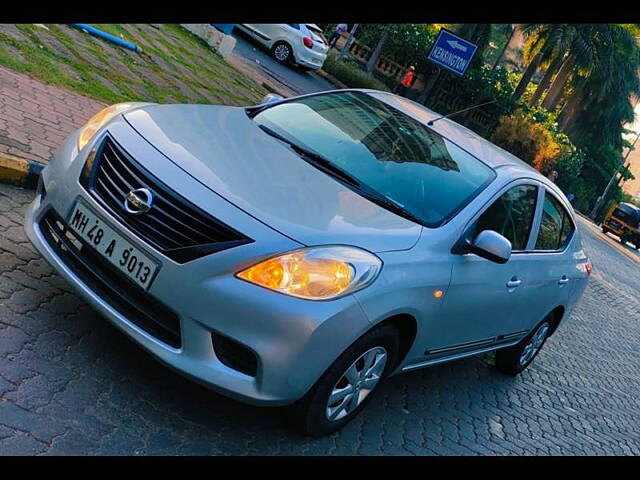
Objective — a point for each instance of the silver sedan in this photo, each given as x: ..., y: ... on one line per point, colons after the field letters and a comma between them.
x: 300, y: 251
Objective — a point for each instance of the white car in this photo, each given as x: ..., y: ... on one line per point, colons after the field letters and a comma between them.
x: 301, y: 43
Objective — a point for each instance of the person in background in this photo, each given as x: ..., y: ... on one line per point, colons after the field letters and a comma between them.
x: 407, y: 81
x: 337, y: 33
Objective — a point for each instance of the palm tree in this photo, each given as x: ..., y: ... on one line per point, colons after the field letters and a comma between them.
x: 557, y: 41
x: 373, y: 59
x: 347, y: 43
x: 512, y: 30
x: 600, y: 101
x: 546, y: 42
x: 480, y: 35
x: 582, y: 54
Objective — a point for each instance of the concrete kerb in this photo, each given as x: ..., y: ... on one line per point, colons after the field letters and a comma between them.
x: 18, y: 171
x: 331, y: 79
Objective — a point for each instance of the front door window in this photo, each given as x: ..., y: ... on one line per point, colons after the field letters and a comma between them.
x: 511, y: 215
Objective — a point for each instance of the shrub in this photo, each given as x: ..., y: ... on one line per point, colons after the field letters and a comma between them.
x: 527, y: 140
x: 350, y: 74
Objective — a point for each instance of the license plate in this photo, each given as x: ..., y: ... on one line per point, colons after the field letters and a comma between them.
x: 113, y: 247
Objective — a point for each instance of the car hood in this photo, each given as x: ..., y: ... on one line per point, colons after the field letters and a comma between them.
x: 226, y: 151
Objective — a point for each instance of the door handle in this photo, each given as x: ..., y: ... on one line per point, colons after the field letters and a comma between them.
x: 513, y: 283
x: 563, y: 280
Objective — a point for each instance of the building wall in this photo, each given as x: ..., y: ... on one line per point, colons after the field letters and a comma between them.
x: 632, y: 187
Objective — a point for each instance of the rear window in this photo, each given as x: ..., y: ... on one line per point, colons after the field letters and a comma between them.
x: 388, y: 151
x: 317, y: 32
x: 556, y: 226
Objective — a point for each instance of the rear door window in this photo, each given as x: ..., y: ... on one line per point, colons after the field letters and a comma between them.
x: 556, y: 226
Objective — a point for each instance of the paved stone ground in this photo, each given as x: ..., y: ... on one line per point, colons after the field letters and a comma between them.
x: 72, y: 384
x: 36, y: 118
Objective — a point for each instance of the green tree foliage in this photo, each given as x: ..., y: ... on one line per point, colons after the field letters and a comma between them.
x: 407, y: 43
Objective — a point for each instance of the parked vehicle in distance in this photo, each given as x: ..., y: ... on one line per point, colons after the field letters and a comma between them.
x: 300, y: 251
x: 301, y: 43
x: 623, y: 219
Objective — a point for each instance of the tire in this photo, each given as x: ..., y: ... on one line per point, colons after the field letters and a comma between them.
x: 282, y: 52
x: 310, y: 415
x: 513, y: 360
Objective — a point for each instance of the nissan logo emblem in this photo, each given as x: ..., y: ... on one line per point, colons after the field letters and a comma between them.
x: 138, y: 201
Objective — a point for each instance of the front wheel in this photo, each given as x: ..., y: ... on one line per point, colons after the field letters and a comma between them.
x: 514, y: 360
x: 346, y: 387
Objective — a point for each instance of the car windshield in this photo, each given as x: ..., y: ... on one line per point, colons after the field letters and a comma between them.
x: 381, y: 150
x: 628, y: 214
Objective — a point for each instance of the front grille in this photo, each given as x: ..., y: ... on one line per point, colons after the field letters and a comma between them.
x: 112, y: 286
x: 174, y: 226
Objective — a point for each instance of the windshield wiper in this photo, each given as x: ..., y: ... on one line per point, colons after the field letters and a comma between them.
x: 389, y: 204
x: 332, y: 169
x: 315, y: 158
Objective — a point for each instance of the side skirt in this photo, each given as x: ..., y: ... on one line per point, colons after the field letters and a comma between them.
x: 467, y: 350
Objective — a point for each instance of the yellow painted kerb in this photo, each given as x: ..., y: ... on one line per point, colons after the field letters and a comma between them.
x: 13, y: 169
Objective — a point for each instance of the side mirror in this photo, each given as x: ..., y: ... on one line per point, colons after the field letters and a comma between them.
x: 271, y: 97
x: 492, y: 246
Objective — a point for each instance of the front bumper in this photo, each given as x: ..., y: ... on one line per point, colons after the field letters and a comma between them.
x: 293, y: 340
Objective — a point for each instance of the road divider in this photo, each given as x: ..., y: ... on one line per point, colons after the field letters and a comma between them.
x: 18, y: 171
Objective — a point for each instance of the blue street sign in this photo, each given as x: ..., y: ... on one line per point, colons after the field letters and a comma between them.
x: 452, y: 52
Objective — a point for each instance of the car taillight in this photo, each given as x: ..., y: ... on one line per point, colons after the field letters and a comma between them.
x: 588, y: 267
x: 307, y: 42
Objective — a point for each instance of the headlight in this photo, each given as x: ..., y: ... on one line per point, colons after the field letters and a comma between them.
x: 101, y: 118
x: 316, y: 273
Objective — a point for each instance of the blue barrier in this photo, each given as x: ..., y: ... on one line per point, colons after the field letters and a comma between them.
x: 107, y: 36
x: 225, y: 28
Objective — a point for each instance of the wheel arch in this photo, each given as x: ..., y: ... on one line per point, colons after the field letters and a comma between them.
x: 557, y: 315
x: 407, y: 327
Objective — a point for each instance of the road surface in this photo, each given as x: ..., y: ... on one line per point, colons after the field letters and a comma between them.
x: 70, y: 383
x: 258, y: 57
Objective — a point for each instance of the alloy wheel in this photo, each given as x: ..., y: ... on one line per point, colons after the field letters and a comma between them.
x: 534, y: 344
x: 282, y: 52
x: 356, y: 383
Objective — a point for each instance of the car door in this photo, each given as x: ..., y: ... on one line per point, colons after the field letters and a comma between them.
x: 263, y: 32
x: 552, y: 267
x: 483, y: 297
